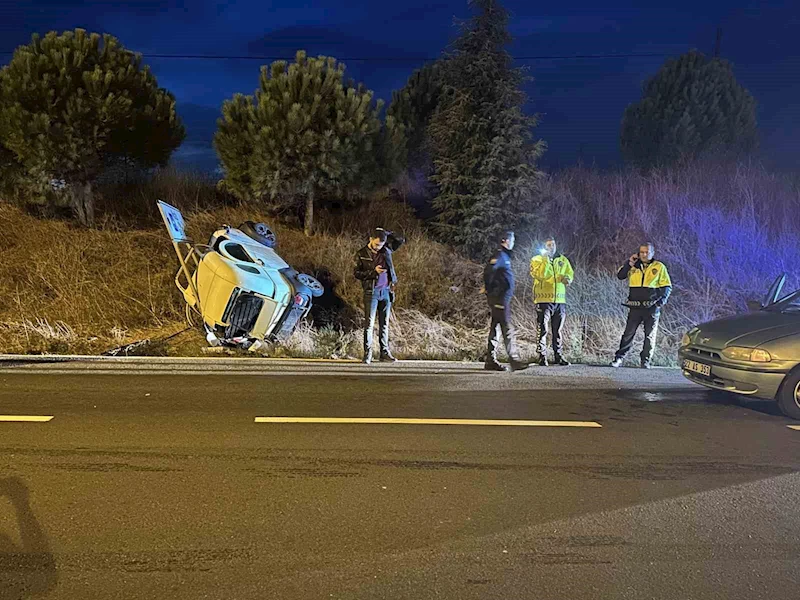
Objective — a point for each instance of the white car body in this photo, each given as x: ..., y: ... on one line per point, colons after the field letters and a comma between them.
x: 243, y: 290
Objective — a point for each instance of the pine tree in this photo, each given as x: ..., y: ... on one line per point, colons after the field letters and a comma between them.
x: 412, y: 108
x: 384, y: 162
x: 304, y: 133
x: 234, y: 142
x: 72, y: 103
x: 10, y: 174
x: 692, y: 107
x: 483, y: 150
x: 391, y: 151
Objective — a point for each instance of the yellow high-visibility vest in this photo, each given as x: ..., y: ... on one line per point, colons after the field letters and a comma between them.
x: 654, y: 275
x: 644, y: 283
x: 548, y: 278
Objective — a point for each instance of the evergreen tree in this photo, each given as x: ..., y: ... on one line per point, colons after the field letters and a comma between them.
x: 72, y: 103
x: 391, y: 151
x: 412, y: 108
x: 383, y: 163
x: 483, y: 151
x: 10, y: 174
x: 692, y: 107
x: 305, y: 132
x: 234, y: 141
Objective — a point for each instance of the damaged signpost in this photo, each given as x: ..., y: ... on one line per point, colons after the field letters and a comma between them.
x: 185, y: 250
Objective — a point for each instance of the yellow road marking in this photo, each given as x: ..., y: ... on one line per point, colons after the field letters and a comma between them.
x: 24, y: 418
x: 795, y: 427
x: 385, y: 421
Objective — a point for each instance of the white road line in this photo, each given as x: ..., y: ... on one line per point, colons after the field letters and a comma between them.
x: 24, y: 418
x: 795, y: 427
x: 385, y: 421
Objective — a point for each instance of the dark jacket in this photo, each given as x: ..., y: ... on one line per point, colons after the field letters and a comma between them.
x: 649, y: 285
x: 365, y: 264
x: 498, y: 278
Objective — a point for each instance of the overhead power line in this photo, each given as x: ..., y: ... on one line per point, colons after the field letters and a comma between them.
x: 391, y: 59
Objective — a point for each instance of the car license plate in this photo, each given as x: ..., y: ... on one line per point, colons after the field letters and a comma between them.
x: 696, y: 367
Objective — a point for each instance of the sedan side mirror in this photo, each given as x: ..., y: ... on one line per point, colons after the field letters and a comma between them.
x: 754, y: 305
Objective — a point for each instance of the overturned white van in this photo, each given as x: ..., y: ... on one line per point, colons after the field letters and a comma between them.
x: 243, y: 291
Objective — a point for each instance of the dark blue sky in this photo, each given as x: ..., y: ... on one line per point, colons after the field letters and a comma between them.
x: 581, y: 100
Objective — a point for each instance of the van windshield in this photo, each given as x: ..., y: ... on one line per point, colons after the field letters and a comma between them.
x: 238, y: 252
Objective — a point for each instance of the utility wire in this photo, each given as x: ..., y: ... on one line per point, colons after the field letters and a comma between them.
x: 389, y: 59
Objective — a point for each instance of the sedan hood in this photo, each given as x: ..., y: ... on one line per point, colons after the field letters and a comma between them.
x: 749, y: 330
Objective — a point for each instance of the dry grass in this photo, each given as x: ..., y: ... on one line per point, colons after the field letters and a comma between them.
x: 70, y: 289
x: 65, y: 289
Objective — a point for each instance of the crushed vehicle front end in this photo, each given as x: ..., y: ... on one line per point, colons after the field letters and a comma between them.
x: 247, y: 302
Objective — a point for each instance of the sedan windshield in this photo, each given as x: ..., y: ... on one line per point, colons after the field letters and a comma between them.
x: 788, y: 304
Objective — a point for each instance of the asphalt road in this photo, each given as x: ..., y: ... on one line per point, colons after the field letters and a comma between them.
x: 154, y: 480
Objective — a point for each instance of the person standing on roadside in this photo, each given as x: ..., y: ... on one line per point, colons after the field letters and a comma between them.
x: 649, y: 288
x: 498, y: 285
x: 375, y: 269
x: 552, y: 273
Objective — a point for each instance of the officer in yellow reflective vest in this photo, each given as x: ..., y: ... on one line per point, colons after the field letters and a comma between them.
x: 649, y: 288
x: 552, y: 273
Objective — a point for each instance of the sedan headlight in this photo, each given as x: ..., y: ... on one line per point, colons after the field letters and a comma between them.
x: 687, y: 337
x: 746, y: 354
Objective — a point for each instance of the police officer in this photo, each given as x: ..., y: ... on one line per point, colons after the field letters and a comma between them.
x: 551, y: 272
x: 649, y: 289
x: 498, y: 284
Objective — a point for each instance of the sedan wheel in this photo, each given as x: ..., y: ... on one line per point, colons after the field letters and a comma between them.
x: 789, y: 395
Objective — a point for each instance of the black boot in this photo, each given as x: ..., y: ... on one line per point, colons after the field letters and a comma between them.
x: 493, y: 365
x: 561, y: 361
x: 518, y: 365
x: 387, y: 357
x: 543, y: 360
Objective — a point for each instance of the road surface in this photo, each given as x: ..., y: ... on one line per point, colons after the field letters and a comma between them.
x: 147, y: 479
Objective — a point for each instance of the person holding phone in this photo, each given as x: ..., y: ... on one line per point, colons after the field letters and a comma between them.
x: 649, y: 288
x: 375, y: 269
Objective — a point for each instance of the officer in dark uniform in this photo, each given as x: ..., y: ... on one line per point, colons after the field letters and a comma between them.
x: 498, y: 284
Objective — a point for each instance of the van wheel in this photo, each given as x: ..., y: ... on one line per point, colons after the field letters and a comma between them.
x: 260, y: 232
x: 789, y: 395
x: 314, y: 286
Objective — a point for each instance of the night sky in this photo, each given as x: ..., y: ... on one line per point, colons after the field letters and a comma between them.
x: 581, y: 100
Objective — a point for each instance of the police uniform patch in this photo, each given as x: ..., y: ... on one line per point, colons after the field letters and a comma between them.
x: 654, y: 271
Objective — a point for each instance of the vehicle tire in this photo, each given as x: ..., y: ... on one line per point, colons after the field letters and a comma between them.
x: 313, y: 285
x: 260, y: 232
x: 789, y: 395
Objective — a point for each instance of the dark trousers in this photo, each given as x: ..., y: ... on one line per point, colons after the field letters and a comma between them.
x: 551, y: 314
x: 640, y: 316
x: 501, y: 325
x: 377, y: 303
